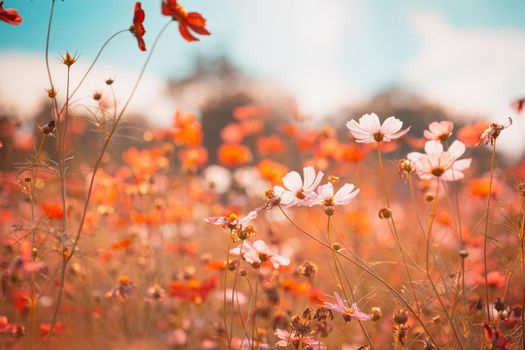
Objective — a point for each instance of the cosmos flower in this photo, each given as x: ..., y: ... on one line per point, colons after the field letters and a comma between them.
x: 137, y: 28
x: 370, y: 130
x: 438, y: 163
x: 325, y: 195
x: 439, y: 131
x: 258, y: 253
x: 187, y: 20
x: 297, y: 191
x: 349, y: 313
x: 10, y: 16
x: 231, y: 221
x: 217, y: 179
x: 308, y: 342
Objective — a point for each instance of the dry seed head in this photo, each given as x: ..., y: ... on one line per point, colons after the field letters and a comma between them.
x: 69, y: 59
x: 385, y: 213
x: 400, y: 316
x: 48, y: 127
x: 51, y: 93
x: 109, y: 81
x: 97, y: 95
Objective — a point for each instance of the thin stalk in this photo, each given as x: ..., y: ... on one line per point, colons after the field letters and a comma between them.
x: 369, y: 271
x: 69, y: 255
x: 394, y: 229
x: 429, y: 276
x: 485, y: 233
x: 336, y: 263
x: 522, y: 239
x: 224, y: 289
x: 233, y: 294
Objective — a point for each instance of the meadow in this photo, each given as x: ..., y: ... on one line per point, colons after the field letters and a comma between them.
x: 372, y: 232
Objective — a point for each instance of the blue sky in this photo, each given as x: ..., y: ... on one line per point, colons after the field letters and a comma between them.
x: 383, y: 39
x: 465, y: 55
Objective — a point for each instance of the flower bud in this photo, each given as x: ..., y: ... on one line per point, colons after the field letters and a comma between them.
x: 385, y: 213
x: 376, y: 313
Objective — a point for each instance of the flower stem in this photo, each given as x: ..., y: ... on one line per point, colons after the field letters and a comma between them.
x: 370, y: 272
x: 485, y: 233
x: 394, y: 229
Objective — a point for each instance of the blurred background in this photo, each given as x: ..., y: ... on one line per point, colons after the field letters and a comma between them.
x: 313, y: 59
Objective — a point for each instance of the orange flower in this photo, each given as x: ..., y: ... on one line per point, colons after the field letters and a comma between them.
x: 188, y: 129
x: 353, y: 154
x: 272, y: 171
x: 234, y: 155
x: 193, y: 157
x: 232, y: 133
x: 269, y: 145
x: 137, y: 28
x: 480, y: 188
x: 123, y: 244
x: 53, y: 210
x: 145, y: 162
x: 187, y: 20
x: 45, y: 328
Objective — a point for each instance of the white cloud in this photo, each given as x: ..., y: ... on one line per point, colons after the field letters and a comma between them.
x: 24, y: 81
x: 300, y: 45
x: 470, y: 70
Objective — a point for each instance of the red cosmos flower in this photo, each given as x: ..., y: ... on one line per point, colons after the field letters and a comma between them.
x: 137, y: 28
x: 10, y: 16
x: 187, y: 20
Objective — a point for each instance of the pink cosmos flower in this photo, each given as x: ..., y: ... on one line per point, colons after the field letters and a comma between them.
x: 349, y: 313
x: 308, y: 342
x: 297, y: 191
x: 439, y: 131
x: 260, y: 252
x: 370, y: 130
x: 437, y: 163
x: 325, y: 195
x: 232, y: 221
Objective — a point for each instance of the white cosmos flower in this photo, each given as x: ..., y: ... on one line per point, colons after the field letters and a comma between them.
x: 297, y: 191
x: 438, y: 163
x: 370, y: 130
x: 218, y: 179
x: 325, y: 195
x: 260, y: 252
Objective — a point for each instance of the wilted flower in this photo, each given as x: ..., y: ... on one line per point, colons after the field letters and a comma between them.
x: 349, y: 313
x: 137, y: 28
x: 439, y: 131
x: 69, y: 59
x: 370, y: 130
x: 258, y: 253
x: 492, y: 132
x: 437, y: 163
x: 297, y: 191
x: 10, y: 16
